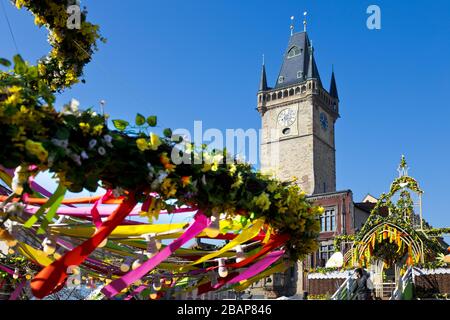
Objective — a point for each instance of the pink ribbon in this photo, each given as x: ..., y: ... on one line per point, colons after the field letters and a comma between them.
x: 115, y: 287
x: 6, y: 269
x: 18, y: 290
x: 104, y: 211
x: 258, y: 267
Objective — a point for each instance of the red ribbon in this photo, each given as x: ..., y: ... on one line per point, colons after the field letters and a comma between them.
x: 55, y: 274
x: 94, y: 211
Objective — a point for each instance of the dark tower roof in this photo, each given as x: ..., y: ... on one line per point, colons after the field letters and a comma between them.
x: 263, y: 82
x: 333, y: 87
x: 298, y: 62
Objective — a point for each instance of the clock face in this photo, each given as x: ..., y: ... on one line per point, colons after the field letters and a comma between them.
x: 286, y: 117
x: 324, y: 121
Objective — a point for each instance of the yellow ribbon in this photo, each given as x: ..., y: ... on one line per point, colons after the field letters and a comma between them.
x: 119, y: 232
x: 245, y: 235
x: 137, y: 230
x: 34, y: 254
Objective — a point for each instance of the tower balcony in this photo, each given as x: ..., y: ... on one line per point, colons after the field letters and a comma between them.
x: 286, y: 95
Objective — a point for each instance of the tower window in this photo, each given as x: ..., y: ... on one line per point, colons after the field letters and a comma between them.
x: 299, y: 74
x: 280, y: 79
x: 293, y: 52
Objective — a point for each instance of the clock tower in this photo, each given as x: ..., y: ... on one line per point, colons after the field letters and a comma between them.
x: 298, y: 117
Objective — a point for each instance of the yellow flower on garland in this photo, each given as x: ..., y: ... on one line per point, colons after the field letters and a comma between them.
x: 215, y: 166
x: 85, y: 127
x: 36, y: 148
x: 42, y: 69
x: 238, y: 182
x: 262, y: 201
x: 15, y: 89
x: 142, y: 144
x: 20, y: 4
x: 164, y: 159
x: 71, y: 78
x: 206, y: 167
x: 98, y: 129
x: 232, y: 169
x: 39, y: 21
x: 14, y: 98
x: 168, y: 188
x: 155, y: 142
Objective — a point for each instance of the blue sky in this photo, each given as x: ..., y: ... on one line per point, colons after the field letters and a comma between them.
x: 200, y: 60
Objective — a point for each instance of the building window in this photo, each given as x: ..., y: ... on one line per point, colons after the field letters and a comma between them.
x: 328, y: 221
x: 299, y: 74
x: 280, y: 79
x: 293, y: 52
x: 325, y: 252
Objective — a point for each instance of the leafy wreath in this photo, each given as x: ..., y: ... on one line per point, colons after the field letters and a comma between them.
x: 72, y: 48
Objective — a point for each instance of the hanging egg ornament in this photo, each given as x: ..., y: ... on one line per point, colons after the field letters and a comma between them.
x: 240, y: 256
x: 137, y: 263
x: 103, y: 243
x: 223, y: 271
x: 213, y: 230
x: 126, y: 265
x: 49, y: 245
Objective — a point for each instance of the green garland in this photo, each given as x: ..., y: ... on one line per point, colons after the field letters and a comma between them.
x: 72, y: 49
x: 83, y: 153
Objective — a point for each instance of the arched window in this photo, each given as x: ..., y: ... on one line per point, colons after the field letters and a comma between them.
x: 293, y: 52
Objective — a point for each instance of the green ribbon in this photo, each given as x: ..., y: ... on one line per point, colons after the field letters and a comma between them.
x: 50, y: 206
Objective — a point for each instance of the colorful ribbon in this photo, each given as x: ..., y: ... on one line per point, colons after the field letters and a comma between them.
x: 94, y: 211
x: 53, y: 275
x: 17, y: 291
x: 115, y: 287
x: 246, y: 235
x: 258, y: 267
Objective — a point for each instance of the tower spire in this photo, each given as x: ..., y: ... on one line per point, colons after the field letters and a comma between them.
x: 263, y: 81
x: 333, y: 87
